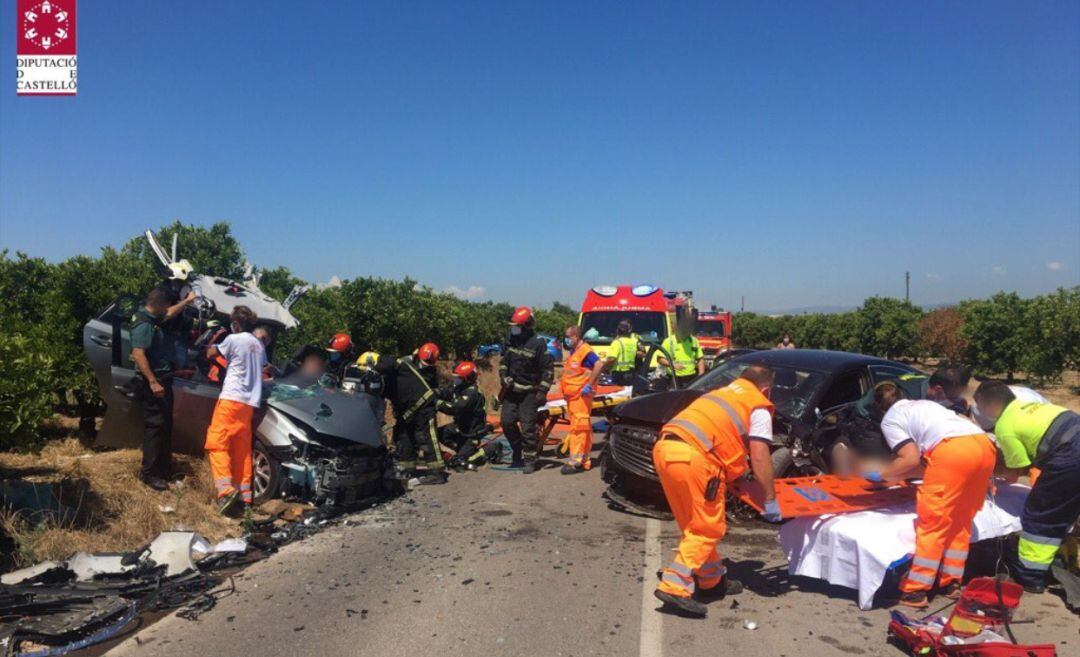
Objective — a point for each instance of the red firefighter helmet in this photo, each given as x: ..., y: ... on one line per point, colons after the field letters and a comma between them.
x: 466, y: 370
x: 428, y: 352
x: 523, y: 316
x: 340, y: 342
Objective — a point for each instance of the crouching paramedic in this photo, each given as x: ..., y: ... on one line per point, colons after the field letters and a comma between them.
x: 699, y: 450
x: 959, y: 460
x: 228, y: 439
x: 578, y: 383
x: 411, y: 383
x: 466, y: 405
x: 1045, y: 436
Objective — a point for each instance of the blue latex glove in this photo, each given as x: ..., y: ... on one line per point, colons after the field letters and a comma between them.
x: 873, y: 476
x: 772, y: 511
x: 587, y: 390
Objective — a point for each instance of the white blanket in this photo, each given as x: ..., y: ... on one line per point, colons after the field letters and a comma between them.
x: 855, y: 549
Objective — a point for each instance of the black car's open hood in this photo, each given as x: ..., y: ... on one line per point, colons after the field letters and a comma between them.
x: 338, y: 413
x: 656, y: 408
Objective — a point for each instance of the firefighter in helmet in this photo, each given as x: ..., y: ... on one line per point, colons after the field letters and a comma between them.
x: 527, y: 373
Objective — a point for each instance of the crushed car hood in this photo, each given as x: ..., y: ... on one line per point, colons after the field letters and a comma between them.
x: 656, y: 408
x: 338, y: 413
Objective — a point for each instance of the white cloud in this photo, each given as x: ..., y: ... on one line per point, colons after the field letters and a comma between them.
x: 333, y: 282
x: 933, y: 277
x: 1054, y: 265
x: 471, y: 292
x: 998, y: 270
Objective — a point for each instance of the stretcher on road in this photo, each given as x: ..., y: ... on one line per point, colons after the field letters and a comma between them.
x: 552, y: 422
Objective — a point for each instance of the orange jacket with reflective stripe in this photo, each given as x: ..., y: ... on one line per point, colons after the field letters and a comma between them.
x: 575, y: 375
x: 717, y: 424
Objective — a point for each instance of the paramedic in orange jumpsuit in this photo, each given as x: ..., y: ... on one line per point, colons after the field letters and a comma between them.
x: 578, y: 384
x: 228, y: 439
x: 959, y: 460
x: 699, y: 450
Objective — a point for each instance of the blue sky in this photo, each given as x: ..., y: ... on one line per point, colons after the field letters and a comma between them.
x: 799, y: 154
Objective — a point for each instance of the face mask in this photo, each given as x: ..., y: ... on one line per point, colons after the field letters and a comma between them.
x: 515, y: 330
x: 335, y: 356
x: 568, y: 343
x: 458, y: 381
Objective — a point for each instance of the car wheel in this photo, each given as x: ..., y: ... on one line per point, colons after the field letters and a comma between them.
x: 783, y: 463
x: 607, y: 472
x: 265, y: 474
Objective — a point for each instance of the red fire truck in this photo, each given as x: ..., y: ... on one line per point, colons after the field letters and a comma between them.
x: 713, y: 331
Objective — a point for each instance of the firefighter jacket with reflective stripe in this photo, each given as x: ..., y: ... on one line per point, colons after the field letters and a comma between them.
x: 466, y: 406
x: 409, y: 388
x: 575, y: 374
x: 624, y: 351
x: 525, y: 360
x: 717, y: 423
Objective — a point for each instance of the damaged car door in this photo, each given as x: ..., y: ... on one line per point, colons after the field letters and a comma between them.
x: 107, y: 345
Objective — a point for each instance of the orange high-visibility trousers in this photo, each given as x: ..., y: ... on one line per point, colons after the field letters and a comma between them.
x: 958, y: 472
x: 684, y: 474
x: 228, y: 447
x: 579, y: 440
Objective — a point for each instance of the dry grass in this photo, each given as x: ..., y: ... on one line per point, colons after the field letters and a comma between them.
x: 114, y: 511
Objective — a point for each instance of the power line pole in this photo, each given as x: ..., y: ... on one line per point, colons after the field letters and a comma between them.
x: 907, y: 287
x: 742, y: 304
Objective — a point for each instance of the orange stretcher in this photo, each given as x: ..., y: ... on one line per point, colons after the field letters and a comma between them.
x: 815, y: 496
x: 552, y: 424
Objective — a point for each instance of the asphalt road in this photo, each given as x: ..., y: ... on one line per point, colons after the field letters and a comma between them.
x: 496, y: 563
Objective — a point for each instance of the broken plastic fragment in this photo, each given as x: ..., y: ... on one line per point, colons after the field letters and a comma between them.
x: 86, y: 566
x: 749, y: 624
x: 17, y: 576
x: 231, y: 545
x: 173, y: 550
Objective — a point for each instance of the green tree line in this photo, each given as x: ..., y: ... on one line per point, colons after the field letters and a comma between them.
x: 999, y: 336
x: 43, y: 307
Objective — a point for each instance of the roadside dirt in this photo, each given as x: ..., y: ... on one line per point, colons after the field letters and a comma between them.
x: 103, y: 505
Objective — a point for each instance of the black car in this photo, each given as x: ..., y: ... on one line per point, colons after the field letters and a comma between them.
x: 820, y: 398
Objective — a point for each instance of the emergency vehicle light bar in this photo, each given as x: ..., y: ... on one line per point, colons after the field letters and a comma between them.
x: 643, y: 290
x: 605, y: 290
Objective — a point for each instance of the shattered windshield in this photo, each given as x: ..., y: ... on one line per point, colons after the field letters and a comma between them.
x: 649, y: 326
x: 791, y: 392
x: 297, y: 386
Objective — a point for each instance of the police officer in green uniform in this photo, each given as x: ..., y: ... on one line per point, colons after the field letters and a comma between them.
x: 622, y: 354
x: 152, y: 355
x: 686, y: 351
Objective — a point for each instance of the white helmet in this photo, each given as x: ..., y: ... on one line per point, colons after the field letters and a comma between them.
x: 180, y: 270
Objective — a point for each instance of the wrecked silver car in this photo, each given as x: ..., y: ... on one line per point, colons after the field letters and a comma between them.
x: 311, y: 441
